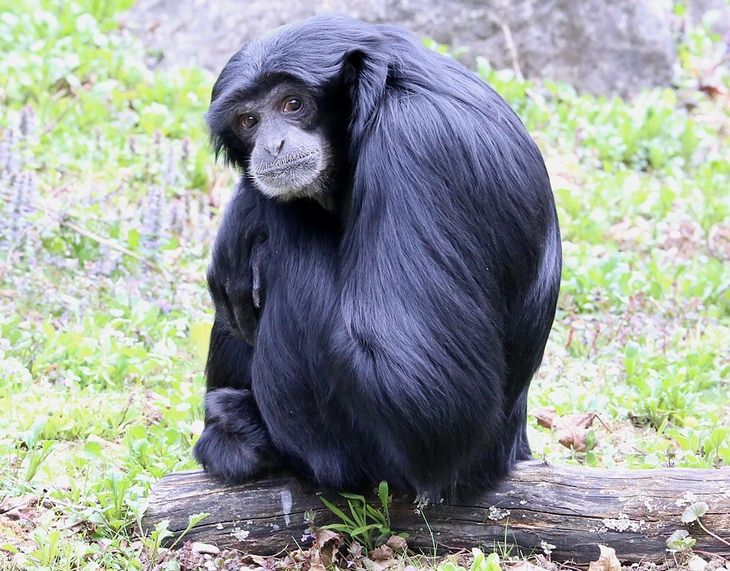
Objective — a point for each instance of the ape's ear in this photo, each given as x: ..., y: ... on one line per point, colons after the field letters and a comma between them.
x: 352, y: 64
x: 365, y: 75
x: 218, y: 87
x: 228, y: 73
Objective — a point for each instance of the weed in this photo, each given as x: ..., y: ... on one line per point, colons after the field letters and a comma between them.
x: 365, y: 524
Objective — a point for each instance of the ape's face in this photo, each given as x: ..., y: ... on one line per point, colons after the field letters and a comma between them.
x: 289, y: 154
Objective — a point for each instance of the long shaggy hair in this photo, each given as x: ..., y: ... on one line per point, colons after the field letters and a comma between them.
x: 401, y: 329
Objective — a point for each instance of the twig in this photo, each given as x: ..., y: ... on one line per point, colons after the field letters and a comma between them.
x: 60, y: 117
x: 708, y: 532
x: 511, y: 48
x: 64, y: 220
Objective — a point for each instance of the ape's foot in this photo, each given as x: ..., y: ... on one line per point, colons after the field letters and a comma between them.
x: 234, y: 445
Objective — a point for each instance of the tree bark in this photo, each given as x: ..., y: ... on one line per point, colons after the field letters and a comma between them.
x: 571, y: 508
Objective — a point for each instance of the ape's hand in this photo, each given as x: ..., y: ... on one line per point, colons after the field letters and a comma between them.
x: 235, y: 444
x: 237, y: 283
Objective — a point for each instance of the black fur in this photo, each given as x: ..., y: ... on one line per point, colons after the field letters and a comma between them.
x: 398, y: 331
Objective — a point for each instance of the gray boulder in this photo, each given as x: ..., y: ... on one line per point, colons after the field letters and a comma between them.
x: 599, y: 46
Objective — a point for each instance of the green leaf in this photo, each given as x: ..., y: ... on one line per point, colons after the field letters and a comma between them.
x: 133, y: 239
x: 363, y: 529
x: 383, y: 494
x: 479, y: 560
x: 92, y: 449
x: 338, y: 512
x: 493, y: 562
x: 200, y: 337
x: 138, y: 432
x: 338, y: 527
x: 355, y: 497
x: 358, y: 512
x: 8, y: 547
x: 694, y: 512
x: 376, y: 515
x: 162, y: 531
x: 680, y: 540
x: 195, y: 519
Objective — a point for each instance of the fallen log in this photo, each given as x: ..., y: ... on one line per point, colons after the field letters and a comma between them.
x: 571, y: 508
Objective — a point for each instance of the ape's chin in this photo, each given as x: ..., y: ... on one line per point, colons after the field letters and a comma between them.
x: 304, y: 181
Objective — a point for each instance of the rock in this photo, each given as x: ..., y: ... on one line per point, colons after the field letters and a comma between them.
x: 598, y: 46
x: 714, y: 13
x: 204, y: 548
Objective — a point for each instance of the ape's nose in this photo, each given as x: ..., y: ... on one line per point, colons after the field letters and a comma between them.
x: 274, y: 146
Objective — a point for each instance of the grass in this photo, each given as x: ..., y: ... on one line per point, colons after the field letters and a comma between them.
x: 110, y: 199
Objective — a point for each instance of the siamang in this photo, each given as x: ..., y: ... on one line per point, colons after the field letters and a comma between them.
x: 386, y: 273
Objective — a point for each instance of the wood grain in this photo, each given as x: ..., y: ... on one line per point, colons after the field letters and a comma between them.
x: 572, y: 508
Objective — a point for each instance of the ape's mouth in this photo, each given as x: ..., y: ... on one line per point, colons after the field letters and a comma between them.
x: 282, y: 165
x: 290, y: 176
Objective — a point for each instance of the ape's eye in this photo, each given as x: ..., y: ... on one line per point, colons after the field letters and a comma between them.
x: 292, y: 104
x: 248, y: 121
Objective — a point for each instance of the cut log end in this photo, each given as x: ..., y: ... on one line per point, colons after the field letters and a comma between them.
x: 571, y: 508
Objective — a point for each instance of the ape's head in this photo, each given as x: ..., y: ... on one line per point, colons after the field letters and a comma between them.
x: 279, y: 137
x: 287, y: 109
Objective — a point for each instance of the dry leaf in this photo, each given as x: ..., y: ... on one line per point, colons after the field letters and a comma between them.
x: 712, y: 90
x: 372, y: 565
x: 263, y: 562
x: 315, y: 563
x: 571, y: 430
x: 355, y: 550
x: 525, y: 566
x: 382, y: 553
x: 581, y: 420
x: 545, y: 416
x: 23, y: 507
x: 607, y: 561
x: 397, y: 543
x: 543, y: 562
x: 574, y: 438
x: 325, y: 536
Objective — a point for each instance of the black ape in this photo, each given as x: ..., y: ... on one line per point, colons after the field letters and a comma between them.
x: 387, y: 272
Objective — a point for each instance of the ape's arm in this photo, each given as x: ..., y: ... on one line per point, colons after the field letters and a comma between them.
x: 235, y: 275
x: 235, y: 443
x: 229, y: 358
